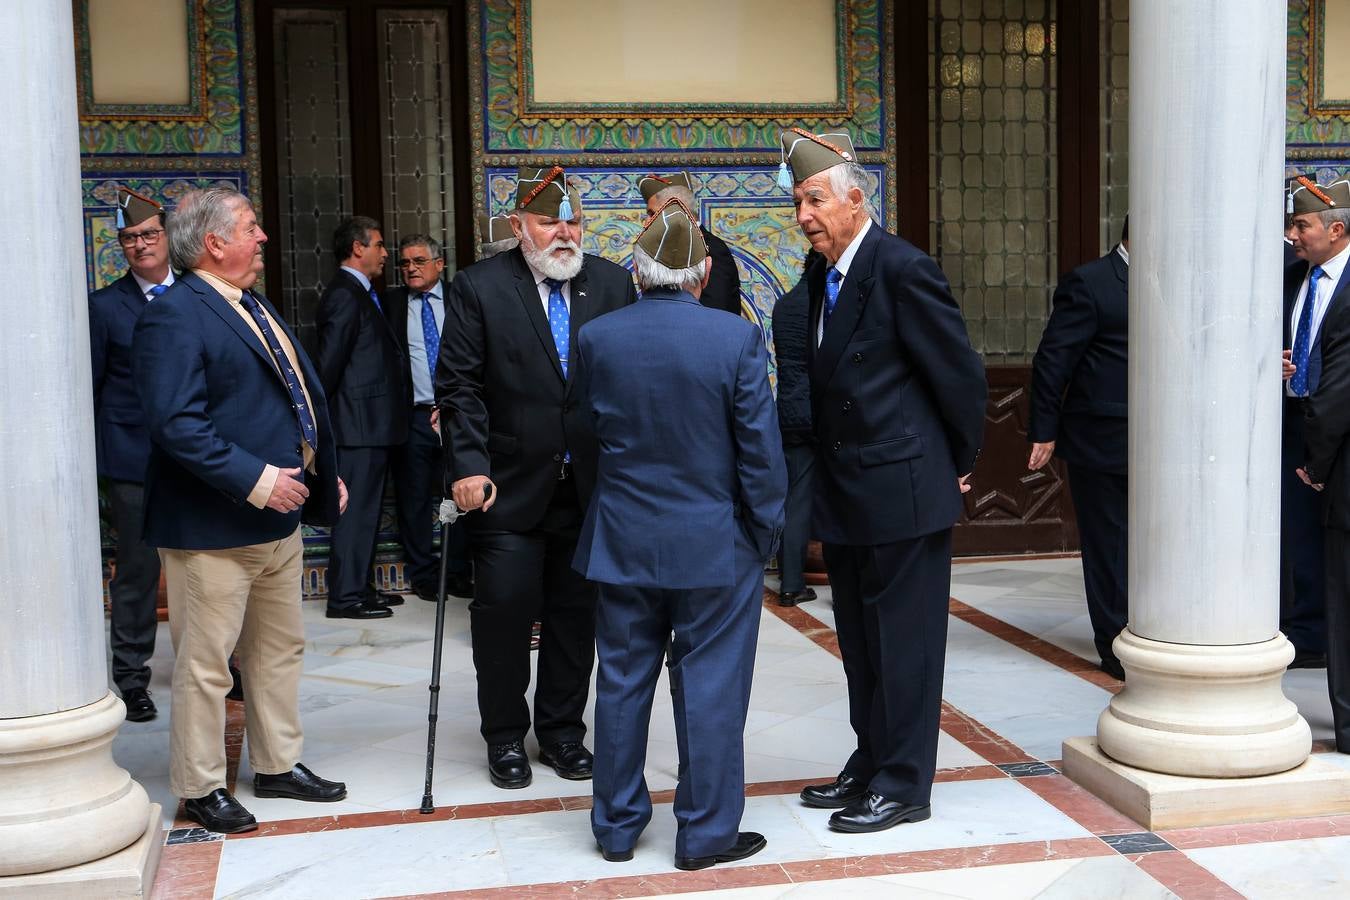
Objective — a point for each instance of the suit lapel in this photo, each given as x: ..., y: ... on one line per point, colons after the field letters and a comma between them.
x: 848, y: 309
x: 581, y: 312
x: 221, y: 307
x: 132, y: 298
x: 1336, y: 299
x: 528, y: 293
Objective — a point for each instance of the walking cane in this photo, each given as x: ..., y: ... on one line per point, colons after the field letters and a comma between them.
x: 449, y: 512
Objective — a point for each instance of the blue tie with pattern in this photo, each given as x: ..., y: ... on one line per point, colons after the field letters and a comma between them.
x: 302, y: 411
x: 559, y: 321
x: 1298, y: 384
x: 431, y: 336
x: 156, y: 290
x: 374, y: 298
x: 832, y: 282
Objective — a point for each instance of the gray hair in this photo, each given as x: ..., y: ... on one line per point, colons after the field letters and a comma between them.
x: 421, y: 240
x: 680, y: 193
x: 1338, y: 214
x: 848, y: 175
x: 651, y: 273
x: 199, y: 213
x: 492, y: 248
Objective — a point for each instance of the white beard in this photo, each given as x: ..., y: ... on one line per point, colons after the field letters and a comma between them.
x: 544, y: 261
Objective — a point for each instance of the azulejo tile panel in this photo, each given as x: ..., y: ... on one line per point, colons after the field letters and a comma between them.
x: 1309, y: 135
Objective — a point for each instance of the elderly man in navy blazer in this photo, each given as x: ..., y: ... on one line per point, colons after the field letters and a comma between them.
x: 898, y: 399
x: 241, y: 445
x: 123, y: 447
x: 688, y: 505
x: 1079, y: 382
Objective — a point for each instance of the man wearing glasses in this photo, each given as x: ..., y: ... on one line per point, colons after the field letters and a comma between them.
x: 123, y: 444
x: 416, y: 312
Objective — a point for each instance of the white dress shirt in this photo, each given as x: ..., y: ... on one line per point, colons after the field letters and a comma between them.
x: 845, y: 260
x: 1333, y: 269
x: 145, y: 285
x: 544, y: 291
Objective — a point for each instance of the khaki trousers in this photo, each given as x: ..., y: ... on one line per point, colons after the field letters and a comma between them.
x: 245, y: 599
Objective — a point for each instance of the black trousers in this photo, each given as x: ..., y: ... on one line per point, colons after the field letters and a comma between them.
x: 522, y: 578
x: 1101, y: 500
x: 890, y: 612
x: 1302, y: 572
x: 133, y: 590
x: 419, y: 470
x: 352, y: 539
x: 801, y: 462
x: 1338, y: 633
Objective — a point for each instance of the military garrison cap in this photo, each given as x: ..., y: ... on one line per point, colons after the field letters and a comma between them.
x: 545, y: 192
x: 651, y: 185
x: 808, y: 153
x: 1306, y: 196
x: 495, y: 228
x: 672, y: 239
x: 134, y: 208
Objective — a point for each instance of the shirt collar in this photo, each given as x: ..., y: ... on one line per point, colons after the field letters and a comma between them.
x: 1336, y: 265
x: 540, y: 276
x: 227, y: 290
x: 145, y: 285
x: 435, y: 291
x: 359, y: 276
x: 1124, y: 254
x: 846, y: 258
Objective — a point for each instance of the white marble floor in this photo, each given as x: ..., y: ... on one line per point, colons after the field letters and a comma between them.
x: 1021, y: 830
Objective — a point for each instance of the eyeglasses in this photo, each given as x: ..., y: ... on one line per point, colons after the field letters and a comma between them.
x: 150, y: 237
x: 416, y: 262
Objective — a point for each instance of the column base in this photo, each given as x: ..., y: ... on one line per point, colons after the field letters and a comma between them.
x: 1157, y: 801
x: 1201, y: 710
x: 127, y: 873
x: 63, y: 800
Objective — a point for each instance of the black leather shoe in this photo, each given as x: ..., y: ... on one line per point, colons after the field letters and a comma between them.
x: 140, y: 708
x: 426, y: 591
x: 459, y: 586
x: 615, y: 855
x: 508, y: 766
x: 384, y: 598
x: 1303, y: 659
x: 236, y: 689
x: 792, y: 598
x: 219, y: 811
x: 299, y: 784
x: 366, y: 609
x: 570, y: 759
x: 835, y: 795
x: 1111, y: 666
x: 873, y: 812
x: 748, y: 843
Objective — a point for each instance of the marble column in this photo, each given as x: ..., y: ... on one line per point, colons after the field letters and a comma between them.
x: 1202, y: 732
x: 63, y: 801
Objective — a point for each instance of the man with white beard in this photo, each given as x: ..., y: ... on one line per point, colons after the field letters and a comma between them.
x: 510, y: 419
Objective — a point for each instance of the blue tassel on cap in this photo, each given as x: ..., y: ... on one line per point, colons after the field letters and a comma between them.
x: 565, y: 207
x: 784, y: 177
x: 121, y: 221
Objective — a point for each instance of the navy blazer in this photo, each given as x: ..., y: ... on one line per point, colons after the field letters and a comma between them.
x: 1294, y: 275
x: 898, y: 397
x: 677, y: 395
x: 1080, y: 374
x: 121, y: 441
x: 218, y: 412
x: 362, y: 366
x: 791, y: 334
x: 723, y: 290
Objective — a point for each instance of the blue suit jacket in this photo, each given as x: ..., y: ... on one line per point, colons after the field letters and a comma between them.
x: 218, y: 412
x: 1294, y: 275
x: 123, y: 445
x: 689, y: 450
x: 1080, y: 374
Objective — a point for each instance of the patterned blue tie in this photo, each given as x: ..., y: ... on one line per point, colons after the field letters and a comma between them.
x: 156, y: 290
x: 1298, y: 384
x: 431, y: 336
x: 302, y: 412
x: 374, y: 298
x: 559, y: 320
x: 832, y: 282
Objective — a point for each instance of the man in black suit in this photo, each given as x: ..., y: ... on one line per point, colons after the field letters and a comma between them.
x: 364, y: 374
x: 416, y: 312
x: 1321, y: 221
x: 511, y: 419
x: 898, y: 400
x: 123, y: 446
x: 724, y: 288
x: 1079, y: 381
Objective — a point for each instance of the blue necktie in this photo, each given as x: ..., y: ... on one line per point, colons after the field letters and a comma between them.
x: 302, y: 412
x: 1298, y: 384
x: 156, y: 290
x: 559, y: 321
x: 374, y: 298
x: 431, y: 337
x: 832, y: 282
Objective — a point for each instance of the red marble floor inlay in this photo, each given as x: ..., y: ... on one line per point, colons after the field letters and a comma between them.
x: 1081, y: 805
x: 187, y: 872
x: 808, y: 625
x: 1037, y: 647
x: 982, y: 740
x: 1257, y: 832
x: 1184, y: 876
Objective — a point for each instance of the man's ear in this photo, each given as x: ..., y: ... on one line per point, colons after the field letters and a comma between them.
x: 707, y: 271
x: 516, y: 224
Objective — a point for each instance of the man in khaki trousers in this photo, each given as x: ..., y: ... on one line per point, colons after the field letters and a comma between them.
x: 240, y: 446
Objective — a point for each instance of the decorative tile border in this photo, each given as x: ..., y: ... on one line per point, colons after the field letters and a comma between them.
x: 196, y: 107
x: 1311, y: 131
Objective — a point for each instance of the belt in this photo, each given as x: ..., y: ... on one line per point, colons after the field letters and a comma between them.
x: 424, y: 406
